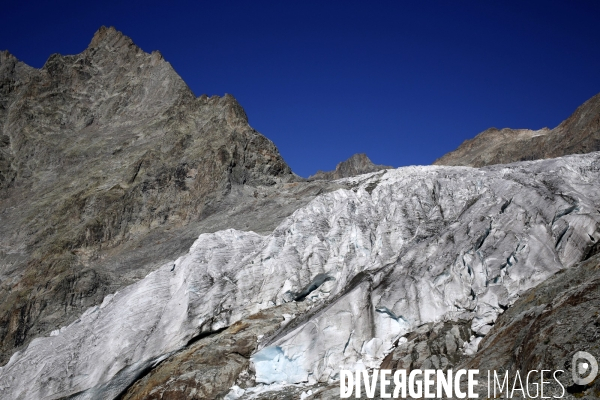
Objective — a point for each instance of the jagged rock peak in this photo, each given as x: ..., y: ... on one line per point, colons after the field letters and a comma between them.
x: 5, y: 55
x: 113, y: 60
x: 110, y: 37
x: 114, y: 41
x: 110, y: 46
x: 358, y: 164
x: 9, y: 60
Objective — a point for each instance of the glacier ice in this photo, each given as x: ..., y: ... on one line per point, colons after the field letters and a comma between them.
x: 272, y: 365
x: 397, y: 249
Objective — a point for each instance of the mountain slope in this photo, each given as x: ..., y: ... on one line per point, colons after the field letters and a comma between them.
x: 580, y: 133
x: 109, y: 164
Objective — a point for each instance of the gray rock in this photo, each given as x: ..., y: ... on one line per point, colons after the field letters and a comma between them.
x: 209, y: 367
x: 580, y: 133
x: 358, y: 164
x: 431, y: 346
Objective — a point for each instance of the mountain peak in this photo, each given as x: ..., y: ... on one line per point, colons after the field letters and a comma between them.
x: 6, y: 55
x: 110, y: 37
x: 6, y: 58
x: 357, y: 164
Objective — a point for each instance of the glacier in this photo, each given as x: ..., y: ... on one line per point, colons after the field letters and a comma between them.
x: 396, y: 249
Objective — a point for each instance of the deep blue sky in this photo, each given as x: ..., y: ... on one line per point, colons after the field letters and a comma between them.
x: 404, y: 82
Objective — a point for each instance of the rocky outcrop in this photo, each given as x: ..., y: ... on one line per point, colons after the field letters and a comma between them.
x: 209, y: 367
x: 580, y: 133
x: 109, y: 165
x: 431, y: 346
x: 374, y: 262
x: 356, y: 165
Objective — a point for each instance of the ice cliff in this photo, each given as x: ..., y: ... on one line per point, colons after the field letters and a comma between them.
x: 398, y: 249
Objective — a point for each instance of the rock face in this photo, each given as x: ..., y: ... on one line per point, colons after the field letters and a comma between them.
x: 109, y: 166
x: 356, y: 165
x: 430, y: 346
x: 373, y: 262
x: 580, y: 133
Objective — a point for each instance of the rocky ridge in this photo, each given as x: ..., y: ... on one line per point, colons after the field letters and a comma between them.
x: 580, y: 133
x: 358, y: 164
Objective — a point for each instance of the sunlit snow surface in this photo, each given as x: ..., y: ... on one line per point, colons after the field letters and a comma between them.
x: 401, y: 248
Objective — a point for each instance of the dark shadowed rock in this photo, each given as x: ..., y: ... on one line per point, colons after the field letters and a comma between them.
x: 580, y: 133
x: 358, y: 164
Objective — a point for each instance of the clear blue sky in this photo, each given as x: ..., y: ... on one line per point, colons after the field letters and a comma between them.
x: 404, y: 82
